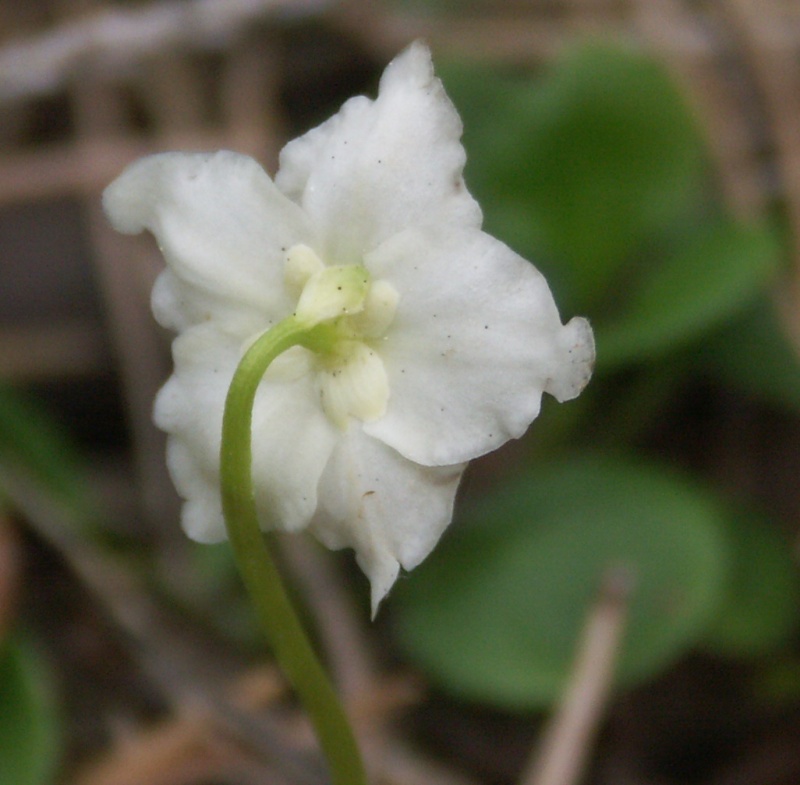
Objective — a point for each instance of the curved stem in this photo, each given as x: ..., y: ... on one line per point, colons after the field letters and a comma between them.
x: 291, y: 646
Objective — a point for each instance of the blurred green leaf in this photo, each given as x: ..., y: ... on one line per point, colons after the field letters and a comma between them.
x: 761, y: 605
x: 582, y: 165
x: 754, y: 355
x: 28, y: 724
x: 496, y: 613
x: 685, y: 295
x: 778, y: 681
x: 29, y: 438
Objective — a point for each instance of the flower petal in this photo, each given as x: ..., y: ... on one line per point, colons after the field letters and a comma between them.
x: 379, y: 167
x: 292, y: 438
x: 357, y: 386
x: 292, y: 443
x: 201, y: 515
x: 390, y: 510
x: 223, y: 227
x: 475, y: 341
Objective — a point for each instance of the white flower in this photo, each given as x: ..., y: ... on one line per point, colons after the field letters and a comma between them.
x: 443, y: 354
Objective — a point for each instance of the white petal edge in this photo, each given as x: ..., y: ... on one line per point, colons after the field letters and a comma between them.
x: 475, y: 342
x: 222, y: 226
x: 292, y: 438
x: 389, y: 509
x: 379, y: 167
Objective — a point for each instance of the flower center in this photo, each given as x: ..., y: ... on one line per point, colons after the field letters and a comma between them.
x: 349, y: 313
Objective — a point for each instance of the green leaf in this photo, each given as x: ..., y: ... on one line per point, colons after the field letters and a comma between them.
x: 583, y: 165
x: 496, y: 613
x: 753, y: 354
x: 29, y: 438
x: 684, y: 296
x: 28, y: 724
x: 760, y: 609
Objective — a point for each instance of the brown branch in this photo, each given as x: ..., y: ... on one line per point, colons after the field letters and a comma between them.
x: 187, y: 746
x: 140, y: 353
x: 768, y: 32
x: 524, y: 34
x: 718, y: 98
x: 341, y: 634
x: 62, y: 350
x: 566, y: 742
x: 86, y: 167
x: 184, y: 671
x: 112, y: 40
x: 251, y: 107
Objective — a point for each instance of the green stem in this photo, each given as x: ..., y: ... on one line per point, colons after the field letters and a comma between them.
x: 291, y: 646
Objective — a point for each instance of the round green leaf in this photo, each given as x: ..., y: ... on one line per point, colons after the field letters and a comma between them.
x: 28, y: 726
x: 760, y: 608
x: 685, y: 295
x: 583, y: 164
x: 496, y: 613
x: 611, y: 152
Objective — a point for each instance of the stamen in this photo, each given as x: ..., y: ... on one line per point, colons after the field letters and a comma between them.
x: 301, y: 263
x: 333, y: 292
x: 357, y: 386
x: 380, y: 307
x: 350, y: 310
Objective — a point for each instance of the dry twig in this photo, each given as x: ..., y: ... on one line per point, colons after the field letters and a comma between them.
x: 172, y: 660
x: 567, y: 740
x: 769, y: 32
x: 711, y: 80
x: 117, y: 39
